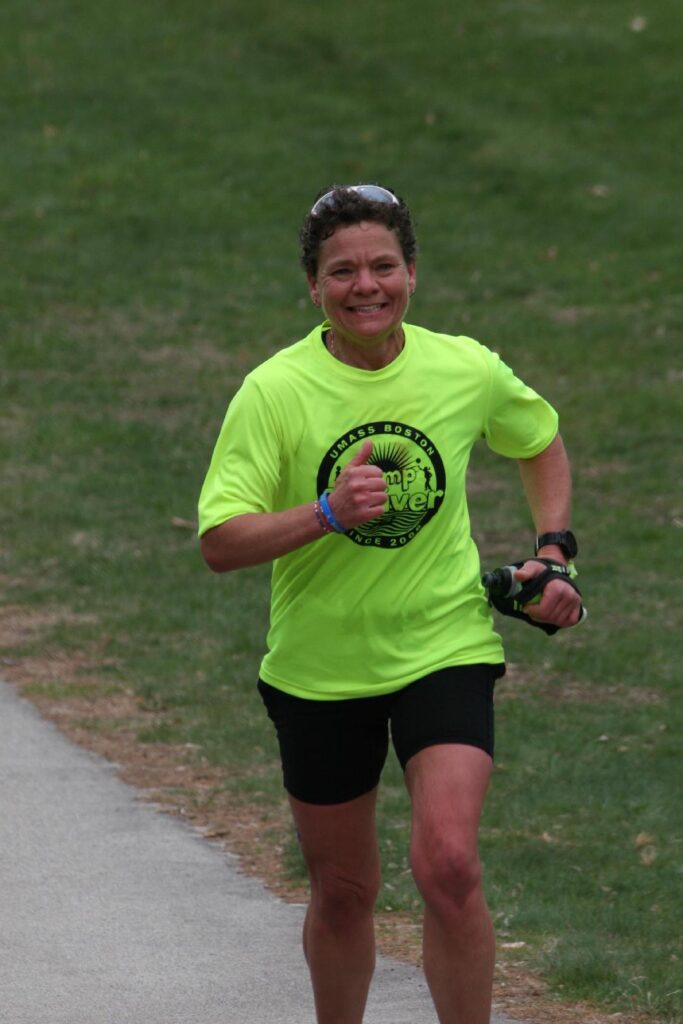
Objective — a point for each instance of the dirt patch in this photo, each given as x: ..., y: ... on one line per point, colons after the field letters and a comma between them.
x: 107, y: 720
x: 521, y: 683
x: 20, y: 625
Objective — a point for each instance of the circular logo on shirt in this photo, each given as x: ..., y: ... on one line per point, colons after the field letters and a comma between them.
x: 414, y: 475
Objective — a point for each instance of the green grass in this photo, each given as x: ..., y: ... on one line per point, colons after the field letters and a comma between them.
x: 157, y: 161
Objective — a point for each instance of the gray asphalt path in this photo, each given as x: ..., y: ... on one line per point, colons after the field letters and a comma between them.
x: 112, y: 913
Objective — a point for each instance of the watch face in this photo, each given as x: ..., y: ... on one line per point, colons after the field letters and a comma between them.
x: 568, y: 543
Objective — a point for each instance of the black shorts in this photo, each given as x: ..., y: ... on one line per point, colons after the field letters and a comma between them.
x: 334, y: 750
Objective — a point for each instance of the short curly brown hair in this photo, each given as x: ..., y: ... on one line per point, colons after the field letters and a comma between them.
x: 348, y: 207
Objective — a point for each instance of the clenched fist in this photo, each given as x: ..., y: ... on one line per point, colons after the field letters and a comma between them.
x: 560, y: 605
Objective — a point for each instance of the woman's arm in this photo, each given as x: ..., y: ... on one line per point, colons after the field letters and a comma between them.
x: 548, y: 488
x: 258, y: 537
x: 255, y: 537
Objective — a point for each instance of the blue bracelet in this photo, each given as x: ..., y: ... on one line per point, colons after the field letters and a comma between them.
x: 328, y: 513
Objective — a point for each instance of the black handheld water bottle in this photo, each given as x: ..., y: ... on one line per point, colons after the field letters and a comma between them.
x: 510, y: 596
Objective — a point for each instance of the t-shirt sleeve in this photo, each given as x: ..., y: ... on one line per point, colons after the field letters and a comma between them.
x: 519, y: 423
x: 244, y: 472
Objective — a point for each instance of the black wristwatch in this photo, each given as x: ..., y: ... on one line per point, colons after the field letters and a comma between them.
x: 564, y: 539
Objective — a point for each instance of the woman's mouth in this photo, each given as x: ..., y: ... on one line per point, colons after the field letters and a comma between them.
x: 367, y: 310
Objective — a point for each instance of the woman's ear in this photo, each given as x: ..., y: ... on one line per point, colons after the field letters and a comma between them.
x: 412, y: 278
x: 313, y: 290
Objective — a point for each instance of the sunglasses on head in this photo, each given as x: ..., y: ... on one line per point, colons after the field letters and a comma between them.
x: 375, y: 193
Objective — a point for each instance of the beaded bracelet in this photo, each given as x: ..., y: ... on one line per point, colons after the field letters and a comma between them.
x: 322, y: 521
x: 329, y: 514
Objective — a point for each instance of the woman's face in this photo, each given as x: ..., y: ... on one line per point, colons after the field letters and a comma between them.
x: 363, y: 282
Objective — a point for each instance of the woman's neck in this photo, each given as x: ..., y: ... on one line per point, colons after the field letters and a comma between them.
x: 366, y: 357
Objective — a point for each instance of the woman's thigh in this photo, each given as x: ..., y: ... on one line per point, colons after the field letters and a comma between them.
x: 450, y: 706
x: 339, y: 844
x: 332, y: 752
x: 447, y: 786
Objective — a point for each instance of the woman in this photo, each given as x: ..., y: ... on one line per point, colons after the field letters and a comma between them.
x: 343, y: 459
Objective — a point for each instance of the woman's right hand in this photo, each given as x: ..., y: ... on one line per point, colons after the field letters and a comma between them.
x: 360, y: 492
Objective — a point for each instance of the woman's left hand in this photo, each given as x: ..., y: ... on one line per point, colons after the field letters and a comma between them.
x: 560, y: 605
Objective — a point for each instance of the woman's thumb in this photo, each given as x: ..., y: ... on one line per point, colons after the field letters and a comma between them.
x: 362, y: 456
x: 528, y: 571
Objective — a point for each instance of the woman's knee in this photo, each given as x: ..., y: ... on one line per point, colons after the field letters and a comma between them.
x: 341, y: 895
x: 446, y: 873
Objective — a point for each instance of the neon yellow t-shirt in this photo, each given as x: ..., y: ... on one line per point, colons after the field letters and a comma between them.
x: 368, y: 612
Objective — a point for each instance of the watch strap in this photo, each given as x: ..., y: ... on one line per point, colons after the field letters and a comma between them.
x: 563, y: 539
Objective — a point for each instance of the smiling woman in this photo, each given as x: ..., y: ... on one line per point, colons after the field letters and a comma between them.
x: 363, y: 285
x: 343, y: 459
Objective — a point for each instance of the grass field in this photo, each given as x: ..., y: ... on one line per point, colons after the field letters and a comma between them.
x: 157, y: 160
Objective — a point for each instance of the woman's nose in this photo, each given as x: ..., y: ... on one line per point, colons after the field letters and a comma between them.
x: 365, y: 281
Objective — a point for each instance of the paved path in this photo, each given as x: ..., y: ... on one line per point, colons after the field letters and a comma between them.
x: 112, y: 913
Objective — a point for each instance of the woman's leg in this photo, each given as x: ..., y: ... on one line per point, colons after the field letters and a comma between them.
x: 339, y: 845
x: 447, y: 786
